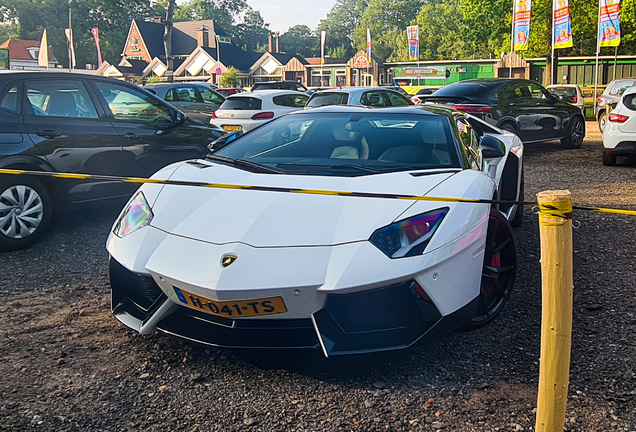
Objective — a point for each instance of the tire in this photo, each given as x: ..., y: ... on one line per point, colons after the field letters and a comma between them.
x: 498, y: 275
x: 608, y: 158
x: 508, y: 127
x: 518, y: 219
x: 601, y: 121
x: 25, y: 211
x: 575, y: 133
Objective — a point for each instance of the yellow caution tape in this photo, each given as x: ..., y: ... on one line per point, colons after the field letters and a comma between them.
x: 553, y: 210
x: 555, y: 213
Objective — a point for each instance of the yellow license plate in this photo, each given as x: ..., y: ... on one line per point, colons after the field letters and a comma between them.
x: 234, y: 308
x: 232, y: 128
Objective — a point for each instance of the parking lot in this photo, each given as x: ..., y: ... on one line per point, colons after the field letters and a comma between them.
x: 67, y: 364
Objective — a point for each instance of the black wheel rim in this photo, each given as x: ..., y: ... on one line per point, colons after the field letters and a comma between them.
x: 498, y: 274
x: 601, y: 123
x: 577, y: 133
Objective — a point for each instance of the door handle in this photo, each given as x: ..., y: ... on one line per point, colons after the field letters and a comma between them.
x: 130, y: 135
x: 48, y: 134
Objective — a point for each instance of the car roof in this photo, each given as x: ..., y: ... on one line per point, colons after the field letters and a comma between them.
x: 562, y: 85
x: 407, y: 109
x: 352, y: 89
x: 261, y: 95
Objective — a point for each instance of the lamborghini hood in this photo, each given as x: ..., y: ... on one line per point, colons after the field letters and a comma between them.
x: 280, y: 219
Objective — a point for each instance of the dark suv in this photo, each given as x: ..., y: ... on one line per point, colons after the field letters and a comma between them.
x: 279, y: 85
x: 519, y: 106
x: 78, y: 123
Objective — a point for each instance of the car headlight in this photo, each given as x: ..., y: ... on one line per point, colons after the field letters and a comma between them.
x: 137, y: 214
x: 408, y: 237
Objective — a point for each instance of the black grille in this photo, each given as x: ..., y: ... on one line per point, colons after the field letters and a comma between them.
x: 141, y: 289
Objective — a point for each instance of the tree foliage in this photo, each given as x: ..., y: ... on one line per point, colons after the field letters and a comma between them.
x: 229, y: 78
x: 300, y: 40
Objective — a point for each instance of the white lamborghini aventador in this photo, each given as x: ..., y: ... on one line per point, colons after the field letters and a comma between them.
x: 318, y: 247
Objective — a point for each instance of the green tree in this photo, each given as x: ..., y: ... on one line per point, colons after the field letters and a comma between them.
x: 225, y: 12
x: 340, y: 24
x: 300, y: 40
x: 9, y: 31
x: 441, y: 26
x: 385, y: 18
x: 339, y: 52
x: 229, y: 78
x: 251, y: 33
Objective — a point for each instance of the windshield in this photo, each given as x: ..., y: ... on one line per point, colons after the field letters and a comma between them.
x: 328, y: 98
x: 467, y: 88
x: 348, y: 144
x: 241, y: 103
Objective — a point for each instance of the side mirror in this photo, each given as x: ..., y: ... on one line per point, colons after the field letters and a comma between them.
x: 179, y: 117
x: 491, y: 147
x: 219, y: 143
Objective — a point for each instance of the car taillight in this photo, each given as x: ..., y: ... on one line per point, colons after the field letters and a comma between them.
x: 598, y: 99
x: 214, y: 115
x: 575, y: 99
x: 618, y: 118
x: 263, y: 116
x: 472, y: 108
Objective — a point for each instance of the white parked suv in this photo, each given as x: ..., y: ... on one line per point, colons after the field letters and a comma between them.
x: 619, y: 134
x: 245, y: 111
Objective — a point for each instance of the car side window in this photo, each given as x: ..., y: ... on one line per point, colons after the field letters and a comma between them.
x: 512, y: 91
x: 128, y: 104
x: 295, y: 101
x: 620, y: 87
x: 538, y: 92
x: 209, y: 96
x: 469, y: 140
x: 60, y: 98
x: 374, y: 98
x: 397, y: 99
x: 187, y: 94
x: 10, y: 99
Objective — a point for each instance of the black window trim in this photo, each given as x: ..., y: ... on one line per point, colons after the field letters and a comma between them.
x: 20, y: 84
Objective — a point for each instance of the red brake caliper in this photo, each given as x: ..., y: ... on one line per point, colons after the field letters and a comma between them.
x: 496, y: 263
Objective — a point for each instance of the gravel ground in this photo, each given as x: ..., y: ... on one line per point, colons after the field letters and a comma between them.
x: 67, y: 364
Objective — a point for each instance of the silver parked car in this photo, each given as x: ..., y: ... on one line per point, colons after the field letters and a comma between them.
x: 197, y: 100
x: 569, y: 93
x: 366, y: 96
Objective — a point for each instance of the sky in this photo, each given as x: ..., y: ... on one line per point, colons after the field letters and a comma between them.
x: 283, y: 14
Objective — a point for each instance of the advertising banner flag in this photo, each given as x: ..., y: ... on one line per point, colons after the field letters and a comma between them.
x: 368, y: 45
x: 610, y: 25
x: 71, y: 49
x: 562, y: 29
x: 522, y: 13
x: 323, y: 38
x: 413, y: 35
x: 43, y: 56
x: 95, y: 33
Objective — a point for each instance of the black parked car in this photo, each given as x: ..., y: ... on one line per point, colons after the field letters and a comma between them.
x: 81, y: 124
x: 279, y: 85
x: 519, y: 106
x: 198, y: 101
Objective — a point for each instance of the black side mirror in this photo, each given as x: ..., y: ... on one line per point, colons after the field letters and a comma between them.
x: 491, y: 147
x: 179, y: 117
x: 219, y: 143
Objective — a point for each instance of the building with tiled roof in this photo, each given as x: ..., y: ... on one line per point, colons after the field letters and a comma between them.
x: 23, y: 54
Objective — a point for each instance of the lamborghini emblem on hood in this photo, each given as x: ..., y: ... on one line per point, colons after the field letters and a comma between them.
x: 228, y: 259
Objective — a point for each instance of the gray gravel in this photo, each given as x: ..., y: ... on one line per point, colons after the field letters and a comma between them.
x: 67, y: 364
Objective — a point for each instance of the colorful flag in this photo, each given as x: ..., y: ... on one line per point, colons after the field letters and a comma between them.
x: 562, y: 28
x: 71, y: 49
x: 413, y: 36
x: 95, y: 33
x: 43, y: 56
x: 522, y: 13
x: 610, y: 24
x: 368, y: 45
x: 323, y: 38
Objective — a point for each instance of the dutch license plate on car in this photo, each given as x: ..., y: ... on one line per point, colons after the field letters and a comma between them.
x: 234, y: 308
x: 232, y: 128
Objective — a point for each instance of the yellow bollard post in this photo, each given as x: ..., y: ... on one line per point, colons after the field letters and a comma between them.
x: 555, y: 231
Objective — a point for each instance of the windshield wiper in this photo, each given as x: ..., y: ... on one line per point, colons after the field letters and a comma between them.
x: 240, y: 163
